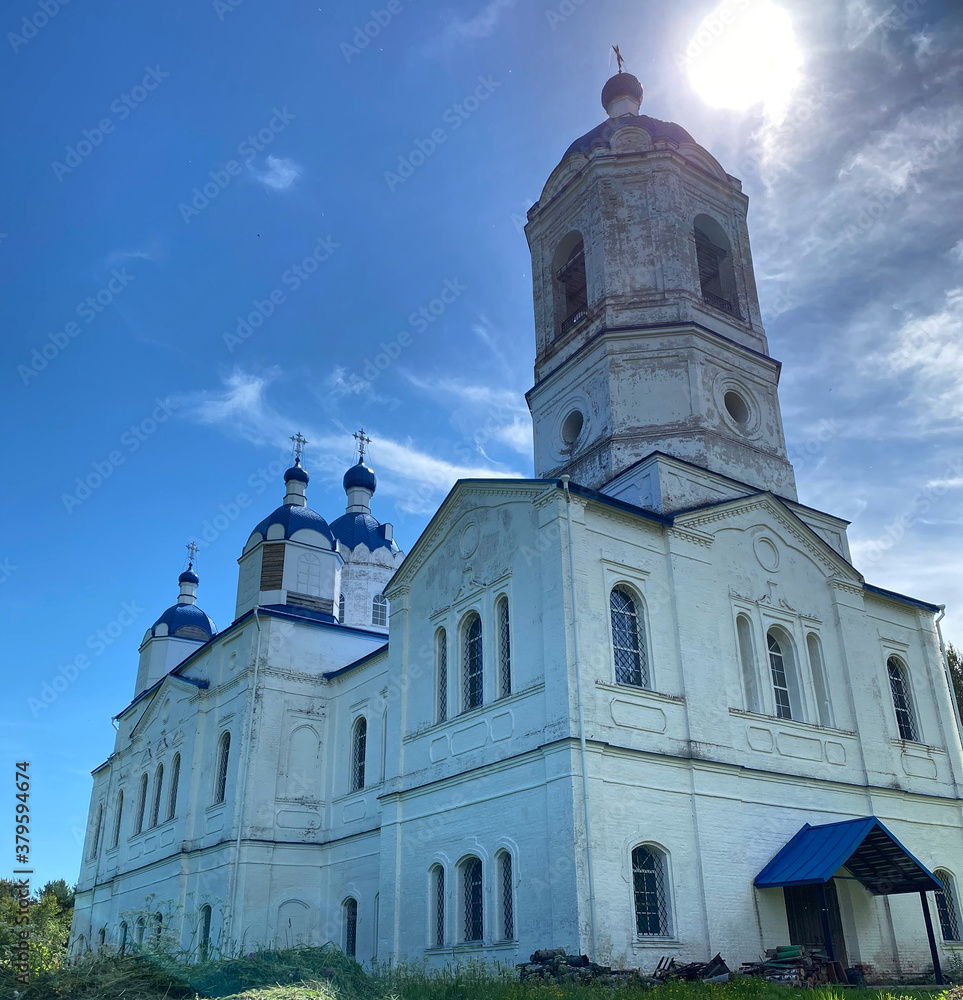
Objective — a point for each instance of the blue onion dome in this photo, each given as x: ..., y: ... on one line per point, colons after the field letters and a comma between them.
x: 360, y: 476
x: 293, y: 518
x: 186, y: 621
x: 189, y: 576
x: 296, y: 472
x: 621, y: 85
x: 353, y: 530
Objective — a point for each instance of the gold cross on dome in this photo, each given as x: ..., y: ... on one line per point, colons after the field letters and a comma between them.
x: 362, y: 440
x: 299, y: 443
x: 618, y: 56
x: 192, y: 554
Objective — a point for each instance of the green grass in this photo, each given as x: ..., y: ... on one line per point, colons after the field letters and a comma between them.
x: 327, y: 974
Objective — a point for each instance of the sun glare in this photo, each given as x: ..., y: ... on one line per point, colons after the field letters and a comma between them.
x: 745, y: 53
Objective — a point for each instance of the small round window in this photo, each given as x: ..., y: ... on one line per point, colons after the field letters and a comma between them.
x: 737, y: 407
x: 572, y: 427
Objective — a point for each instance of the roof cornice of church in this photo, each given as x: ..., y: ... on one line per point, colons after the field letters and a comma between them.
x: 331, y: 674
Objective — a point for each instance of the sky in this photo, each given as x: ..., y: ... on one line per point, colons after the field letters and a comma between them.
x: 168, y: 168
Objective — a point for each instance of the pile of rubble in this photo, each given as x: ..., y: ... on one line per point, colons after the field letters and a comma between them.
x: 797, y: 965
x: 713, y: 971
x: 553, y: 965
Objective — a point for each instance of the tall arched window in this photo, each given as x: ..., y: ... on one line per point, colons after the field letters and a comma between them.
x: 223, y: 759
x: 379, y: 610
x: 785, y: 677
x: 351, y: 927
x: 118, y: 818
x: 472, y: 899
x: 204, y: 933
x: 441, y: 671
x: 140, y: 929
x: 436, y: 907
x: 309, y: 574
x: 824, y: 705
x: 649, y: 878
x: 947, y: 906
x: 156, y: 928
x: 714, y: 257
x: 141, y: 805
x: 341, y: 608
x: 504, y: 647
x: 747, y: 659
x: 95, y: 833
x: 506, y: 896
x: 359, y: 746
x: 156, y: 801
x: 172, y: 790
x: 571, y: 287
x: 472, y: 681
x: 902, y: 700
x: 628, y: 639
x: 123, y: 938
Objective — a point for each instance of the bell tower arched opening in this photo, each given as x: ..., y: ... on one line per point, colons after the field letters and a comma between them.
x: 571, y: 287
x: 717, y: 277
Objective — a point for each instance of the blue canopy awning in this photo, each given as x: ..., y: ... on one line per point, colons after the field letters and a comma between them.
x: 866, y: 848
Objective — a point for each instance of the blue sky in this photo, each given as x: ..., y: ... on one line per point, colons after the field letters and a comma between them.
x: 164, y: 397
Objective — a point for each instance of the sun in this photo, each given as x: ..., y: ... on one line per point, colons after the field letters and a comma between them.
x: 745, y: 53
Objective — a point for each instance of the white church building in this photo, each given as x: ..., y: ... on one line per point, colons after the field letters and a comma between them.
x: 640, y: 705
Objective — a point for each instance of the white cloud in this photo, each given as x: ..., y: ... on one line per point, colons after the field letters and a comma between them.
x: 279, y: 175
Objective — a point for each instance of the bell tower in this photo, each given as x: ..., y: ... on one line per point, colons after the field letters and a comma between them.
x: 649, y: 339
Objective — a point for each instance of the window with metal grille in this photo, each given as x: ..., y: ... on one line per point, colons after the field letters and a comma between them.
x: 156, y: 928
x: 628, y: 639
x: 780, y: 680
x: 341, y: 608
x: 946, y: 906
x: 140, y: 929
x: 471, y: 873
x: 824, y: 705
x: 899, y: 685
x: 156, y: 801
x: 204, y: 933
x: 172, y: 790
x: 441, y: 667
x: 359, y: 746
x: 141, y: 805
x: 714, y: 260
x: 748, y: 660
x: 507, y: 888
x: 472, y: 693
x: 504, y: 647
x: 223, y: 758
x: 351, y: 927
x: 649, y: 883
x: 379, y: 610
x: 118, y: 818
x: 437, y: 907
x: 571, y: 287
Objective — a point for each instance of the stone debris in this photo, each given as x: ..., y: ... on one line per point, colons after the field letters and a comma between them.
x: 713, y: 971
x: 797, y: 965
x: 553, y: 965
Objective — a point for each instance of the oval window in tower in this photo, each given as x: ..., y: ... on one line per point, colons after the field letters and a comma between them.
x: 572, y: 428
x: 737, y: 407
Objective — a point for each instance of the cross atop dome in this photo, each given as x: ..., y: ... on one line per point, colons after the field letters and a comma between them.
x: 299, y: 442
x: 363, y: 440
x: 622, y: 93
x: 191, y: 554
x: 618, y: 56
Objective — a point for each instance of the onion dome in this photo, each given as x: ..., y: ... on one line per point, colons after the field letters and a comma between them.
x: 297, y: 473
x: 186, y: 621
x: 360, y: 476
x: 356, y: 529
x: 189, y: 576
x: 293, y: 518
x: 622, y: 95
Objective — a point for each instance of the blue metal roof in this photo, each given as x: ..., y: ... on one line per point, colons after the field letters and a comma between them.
x: 867, y: 849
x: 293, y: 518
x: 353, y: 529
x: 179, y: 616
x: 360, y: 475
x: 601, y: 135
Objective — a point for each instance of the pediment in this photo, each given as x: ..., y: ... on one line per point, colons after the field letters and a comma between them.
x: 696, y: 154
x: 561, y: 175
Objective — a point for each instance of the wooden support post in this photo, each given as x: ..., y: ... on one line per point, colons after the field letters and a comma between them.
x: 931, y: 937
x: 824, y: 912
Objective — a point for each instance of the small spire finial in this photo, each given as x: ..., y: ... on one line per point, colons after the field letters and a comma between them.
x: 191, y: 554
x: 363, y: 440
x: 299, y: 443
x: 618, y: 56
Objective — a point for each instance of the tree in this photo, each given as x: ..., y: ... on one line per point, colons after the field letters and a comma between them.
x: 955, y: 660
x: 49, y: 915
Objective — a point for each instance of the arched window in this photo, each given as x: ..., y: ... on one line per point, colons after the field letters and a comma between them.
x: 436, y: 907
x: 947, y: 906
x: 571, y: 287
x: 379, y: 610
x: 441, y: 670
x: 506, y: 896
x: 472, y: 681
x: 172, y: 790
x: 714, y: 257
x: 902, y: 701
x: 747, y: 659
x: 140, y: 929
x: 141, y: 805
x: 359, y: 746
x: 350, y: 927
x: 95, y: 833
x: 156, y: 801
x: 374, y: 925
x: 204, y: 933
x: 118, y: 817
x: 504, y: 647
x: 157, y: 927
x: 824, y: 705
x: 309, y: 574
x: 341, y: 609
x: 123, y: 938
x: 785, y: 677
x: 102, y: 936
x: 628, y: 639
x: 472, y: 899
x: 649, y: 878
x: 223, y: 759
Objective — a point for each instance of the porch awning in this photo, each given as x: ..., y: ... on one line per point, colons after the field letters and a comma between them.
x: 869, y: 851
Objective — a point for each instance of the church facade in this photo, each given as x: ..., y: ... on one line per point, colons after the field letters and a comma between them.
x: 619, y: 707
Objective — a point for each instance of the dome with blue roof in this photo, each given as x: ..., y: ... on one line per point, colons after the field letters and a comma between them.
x: 360, y: 476
x: 293, y: 518
x: 186, y: 621
x: 353, y: 530
x: 189, y: 576
x: 297, y: 473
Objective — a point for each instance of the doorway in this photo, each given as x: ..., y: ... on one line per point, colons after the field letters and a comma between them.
x: 806, y: 921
